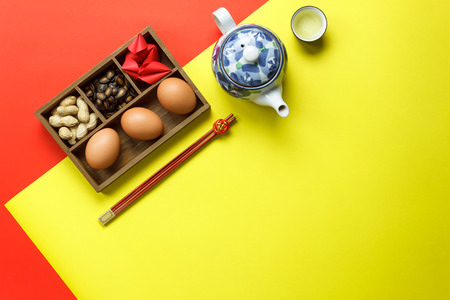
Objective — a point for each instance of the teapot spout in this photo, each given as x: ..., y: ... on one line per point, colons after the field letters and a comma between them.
x: 273, y: 99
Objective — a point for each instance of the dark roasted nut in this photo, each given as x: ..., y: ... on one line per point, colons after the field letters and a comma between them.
x: 92, y: 86
x: 128, y: 98
x: 112, y: 101
x: 89, y: 93
x: 110, y: 74
x: 104, y: 79
x: 99, y: 105
x: 102, y: 87
x: 106, y: 105
x: 100, y: 96
x: 108, y: 92
x: 120, y: 81
x: 121, y: 93
x: 96, y: 82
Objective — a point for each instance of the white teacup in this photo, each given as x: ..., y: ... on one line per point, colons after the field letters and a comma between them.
x: 309, y: 23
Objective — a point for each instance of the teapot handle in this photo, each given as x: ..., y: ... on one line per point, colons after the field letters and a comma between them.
x: 224, y: 20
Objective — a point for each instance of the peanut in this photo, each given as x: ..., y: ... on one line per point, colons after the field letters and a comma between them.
x: 64, y: 133
x: 58, y: 121
x: 83, y: 110
x: 92, y: 121
x: 67, y: 110
x: 81, y: 130
x: 71, y: 100
x: 73, y: 139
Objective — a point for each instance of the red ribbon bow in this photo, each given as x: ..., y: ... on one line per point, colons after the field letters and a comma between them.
x: 142, y: 61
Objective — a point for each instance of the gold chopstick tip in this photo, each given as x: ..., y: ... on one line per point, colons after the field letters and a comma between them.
x: 106, y: 217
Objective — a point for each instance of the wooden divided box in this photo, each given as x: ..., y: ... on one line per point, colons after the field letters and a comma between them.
x: 139, y: 94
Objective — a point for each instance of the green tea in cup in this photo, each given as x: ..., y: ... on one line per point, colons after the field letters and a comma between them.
x: 308, y: 23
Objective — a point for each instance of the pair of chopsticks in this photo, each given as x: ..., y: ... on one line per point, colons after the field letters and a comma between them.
x: 219, y: 127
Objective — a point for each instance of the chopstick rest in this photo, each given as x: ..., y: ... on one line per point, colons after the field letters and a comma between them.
x: 219, y: 127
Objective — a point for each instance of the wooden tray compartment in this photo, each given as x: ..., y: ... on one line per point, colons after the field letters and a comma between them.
x: 132, y: 150
x: 109, y: 65
x: 46, y: 111
x: 165, y: 58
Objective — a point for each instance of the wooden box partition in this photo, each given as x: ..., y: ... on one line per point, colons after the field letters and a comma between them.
x: 132, y: 150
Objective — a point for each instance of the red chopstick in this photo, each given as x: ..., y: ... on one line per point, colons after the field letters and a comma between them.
x: 219, y: 127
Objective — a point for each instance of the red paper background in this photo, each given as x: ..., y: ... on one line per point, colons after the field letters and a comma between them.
x: 46, y: 45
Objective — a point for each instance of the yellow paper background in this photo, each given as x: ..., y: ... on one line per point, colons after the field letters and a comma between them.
x: 346, y: 198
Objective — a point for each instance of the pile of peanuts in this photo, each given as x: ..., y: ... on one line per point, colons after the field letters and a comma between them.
x: 73, y: 119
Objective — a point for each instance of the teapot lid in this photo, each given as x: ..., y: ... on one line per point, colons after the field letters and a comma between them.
x: 251, y: 56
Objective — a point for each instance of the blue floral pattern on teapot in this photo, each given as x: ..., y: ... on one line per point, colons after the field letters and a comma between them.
x: 242, y: 78
x: 251, y: 73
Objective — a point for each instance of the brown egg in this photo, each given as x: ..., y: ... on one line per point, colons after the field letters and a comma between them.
x: 141, y: 123
x: 176, y: 96
x: 103, y: 148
